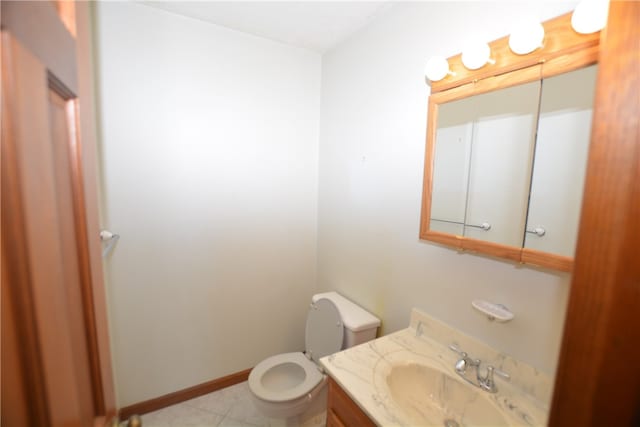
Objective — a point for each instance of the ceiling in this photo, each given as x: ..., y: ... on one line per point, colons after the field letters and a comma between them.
x: 315, y: 25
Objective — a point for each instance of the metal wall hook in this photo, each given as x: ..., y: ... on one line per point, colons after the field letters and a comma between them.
x: 110, y: 239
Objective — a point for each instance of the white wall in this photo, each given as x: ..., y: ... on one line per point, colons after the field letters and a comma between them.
x: 372, y: 142
x: 210, y: 152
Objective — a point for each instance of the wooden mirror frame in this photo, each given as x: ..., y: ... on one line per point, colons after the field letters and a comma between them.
x: 564, y: 50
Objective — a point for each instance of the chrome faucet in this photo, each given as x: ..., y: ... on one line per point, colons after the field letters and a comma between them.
x: 485, y: 382
x: 464, y: 364
x: 465, y: 361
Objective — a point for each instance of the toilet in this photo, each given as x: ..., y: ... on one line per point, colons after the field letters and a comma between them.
x: 286, y: 385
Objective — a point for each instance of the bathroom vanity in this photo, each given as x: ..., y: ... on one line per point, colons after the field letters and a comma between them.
x: 416, y: 376
x: 342, y: 411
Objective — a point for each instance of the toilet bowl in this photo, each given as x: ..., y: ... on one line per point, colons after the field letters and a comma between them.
x: 286, y: 385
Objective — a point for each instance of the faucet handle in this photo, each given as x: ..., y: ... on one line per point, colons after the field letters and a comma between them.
x: 461, y: 364
x: 487, y: 383
x: 457, y: 350
x: 464, y: 356
x: 493, y: 370
x: 465, y: 361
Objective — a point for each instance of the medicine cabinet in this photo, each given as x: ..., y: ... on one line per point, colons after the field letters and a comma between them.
x: 506, y: 154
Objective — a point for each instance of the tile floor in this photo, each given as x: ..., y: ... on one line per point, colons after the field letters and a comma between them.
x: 229, y: 407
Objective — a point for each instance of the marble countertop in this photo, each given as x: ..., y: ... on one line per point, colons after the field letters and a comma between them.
x: 362, y: 372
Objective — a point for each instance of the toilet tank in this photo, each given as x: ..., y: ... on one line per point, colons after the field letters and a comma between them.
x: 359, y: 325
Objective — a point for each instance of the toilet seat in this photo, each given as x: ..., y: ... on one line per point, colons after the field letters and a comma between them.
x: 291, y: 379
x: 284, y: 377
x: 324, y: 331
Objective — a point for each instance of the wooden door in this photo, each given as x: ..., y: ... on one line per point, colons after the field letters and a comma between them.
x: 598, y: 379
x: 56, y: 368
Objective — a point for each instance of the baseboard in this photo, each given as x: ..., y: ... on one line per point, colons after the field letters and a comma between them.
x: 182, y: 395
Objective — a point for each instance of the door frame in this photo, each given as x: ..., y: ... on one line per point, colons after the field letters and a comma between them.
x: 598, y: 376
x: 90, y: 179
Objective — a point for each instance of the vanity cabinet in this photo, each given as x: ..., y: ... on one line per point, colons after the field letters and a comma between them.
x: 342, y: 411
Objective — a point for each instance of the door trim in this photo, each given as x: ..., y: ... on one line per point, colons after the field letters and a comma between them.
x: 45, y: 29
x: 88, y: 181
x: 598, y: 376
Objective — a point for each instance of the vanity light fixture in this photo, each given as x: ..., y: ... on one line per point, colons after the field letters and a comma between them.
x: 526, y: 37
x: 437, y: 68
x: 590, y: 16
x: 476, y: 55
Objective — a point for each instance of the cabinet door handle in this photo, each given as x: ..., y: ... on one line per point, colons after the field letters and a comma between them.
x: 538, y: 231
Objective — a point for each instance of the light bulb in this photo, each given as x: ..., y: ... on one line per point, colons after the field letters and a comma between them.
x: 476, y: 56
x: 526, y: 37
x: 437, y: 68
x: 590, y: 16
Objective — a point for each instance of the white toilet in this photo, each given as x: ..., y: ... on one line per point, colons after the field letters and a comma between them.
x: 286, y: 385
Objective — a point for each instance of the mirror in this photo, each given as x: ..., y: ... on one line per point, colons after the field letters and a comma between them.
x: 505, y: 165
x: 564, y: 124
x: 483, y: 163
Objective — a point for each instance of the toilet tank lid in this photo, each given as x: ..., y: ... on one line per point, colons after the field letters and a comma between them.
x: 354, y: 317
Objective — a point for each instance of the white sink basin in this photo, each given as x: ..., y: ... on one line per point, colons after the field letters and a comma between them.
x: 427, y: 396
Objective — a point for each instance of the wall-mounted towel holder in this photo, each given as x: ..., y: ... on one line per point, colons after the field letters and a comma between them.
x: 110, y: 239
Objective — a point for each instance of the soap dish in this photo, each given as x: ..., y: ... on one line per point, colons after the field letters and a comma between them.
x: 493, y: 311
